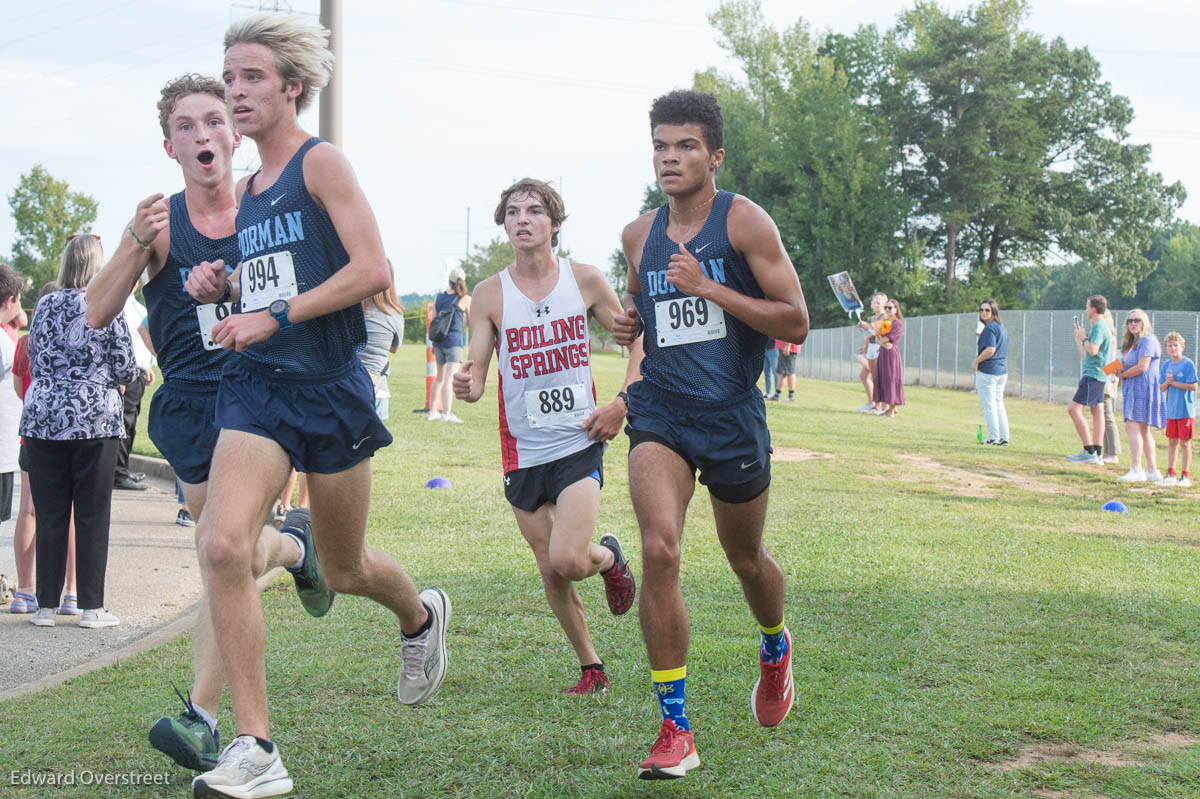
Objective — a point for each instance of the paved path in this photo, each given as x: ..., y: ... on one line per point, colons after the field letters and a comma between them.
x: 153, y: 585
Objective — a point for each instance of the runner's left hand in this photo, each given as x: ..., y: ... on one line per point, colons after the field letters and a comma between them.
x: 605, y: 423
x: 239, y: 331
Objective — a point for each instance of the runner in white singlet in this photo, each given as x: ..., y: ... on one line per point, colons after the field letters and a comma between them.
x: 535, y: 315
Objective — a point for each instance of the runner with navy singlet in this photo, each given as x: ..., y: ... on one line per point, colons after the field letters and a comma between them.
x: 709, y: 281
x: 297, y: 396
x: 534, y: 315
x: 163, y: 241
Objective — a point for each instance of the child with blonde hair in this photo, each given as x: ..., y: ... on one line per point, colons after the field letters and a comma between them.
x: 1178, y: 381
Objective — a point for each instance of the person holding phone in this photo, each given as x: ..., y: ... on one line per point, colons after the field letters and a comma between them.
x: 1095, y: 345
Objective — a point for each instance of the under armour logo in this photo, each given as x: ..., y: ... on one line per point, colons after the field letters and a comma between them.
x: 545, y: 309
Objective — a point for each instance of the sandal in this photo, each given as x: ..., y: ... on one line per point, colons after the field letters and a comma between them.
x: 23, y: 603
x: 69, y: 606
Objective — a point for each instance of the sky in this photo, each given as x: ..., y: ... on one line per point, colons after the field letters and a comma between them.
x: 447, y: 102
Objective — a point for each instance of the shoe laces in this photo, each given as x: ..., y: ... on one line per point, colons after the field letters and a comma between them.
x: 590, y: 681
x: 412, y: 653
x: 666, y: 738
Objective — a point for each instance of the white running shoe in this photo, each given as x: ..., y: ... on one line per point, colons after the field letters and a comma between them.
x: 1133, y: 476
x: 43, y: 617
x: 433, y: 416
x: 1082, y: 456
x: 1183, y: 482
x: 98, y: 617
x: 1166, y: 482
x: 868, y: 408
x: 424, y: 658
x: 1154, y: 476
x: 245, y: 771
x: 449, y: 416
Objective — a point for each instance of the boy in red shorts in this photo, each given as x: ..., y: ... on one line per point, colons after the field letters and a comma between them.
x: 1177, y: 377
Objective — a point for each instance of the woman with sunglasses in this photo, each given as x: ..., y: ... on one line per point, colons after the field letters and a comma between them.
x: 991, y: 372
x: 889, y: 367
x: 1143, y: 404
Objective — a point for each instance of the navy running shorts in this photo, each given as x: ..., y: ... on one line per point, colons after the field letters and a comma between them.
x: 326, y: 425
x: 728, y: 442
x: 534, y: 486
x: 1090, y: 392
x: 181, y: 425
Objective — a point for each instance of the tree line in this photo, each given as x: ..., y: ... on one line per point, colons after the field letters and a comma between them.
x: 947, y: 159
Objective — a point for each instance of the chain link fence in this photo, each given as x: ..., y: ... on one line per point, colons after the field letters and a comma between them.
x: 937, y: 351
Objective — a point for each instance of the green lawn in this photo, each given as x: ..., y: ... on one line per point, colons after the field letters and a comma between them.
x: 950, y: 604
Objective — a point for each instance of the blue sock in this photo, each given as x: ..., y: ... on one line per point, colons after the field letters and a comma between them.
x: 669, y: 685
x: 774, y: 645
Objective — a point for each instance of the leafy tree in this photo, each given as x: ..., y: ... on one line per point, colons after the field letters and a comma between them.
x: 487, y: 260
x: 800, y: 144
x: 45, y: 213
x: 1014, y: 147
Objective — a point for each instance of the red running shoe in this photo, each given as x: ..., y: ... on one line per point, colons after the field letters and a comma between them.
x: 593, y: 681
x: 619, y: 585
x: 774, y: 693
x: 672, y: 756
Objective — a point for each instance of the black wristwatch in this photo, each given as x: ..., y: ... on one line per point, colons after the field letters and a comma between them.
x: 225, y: 296
x: 625, y: 397
x: 279, y: 310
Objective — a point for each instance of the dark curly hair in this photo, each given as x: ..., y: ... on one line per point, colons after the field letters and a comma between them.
x: 685, y: 107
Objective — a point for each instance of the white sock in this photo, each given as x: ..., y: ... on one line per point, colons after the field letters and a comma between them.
x: 208, y: 719
x: 299, y: 543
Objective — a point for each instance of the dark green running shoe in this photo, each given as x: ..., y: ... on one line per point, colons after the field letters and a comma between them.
x: 187, y: 739
x: 315, y: 595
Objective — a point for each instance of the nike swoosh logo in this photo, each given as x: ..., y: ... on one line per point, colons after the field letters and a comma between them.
x: 751, y: 463
x: 359, y: 444
x: 699, y: 249
x: 280, y: 197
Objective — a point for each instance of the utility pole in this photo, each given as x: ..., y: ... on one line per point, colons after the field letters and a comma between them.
x: 331, y: 97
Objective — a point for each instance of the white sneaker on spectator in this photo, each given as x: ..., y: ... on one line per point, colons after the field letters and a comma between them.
x: 98, y: 617
x: 1082, y: 456
x: 449, y: 416
x: 1167, y: 482
x: 1183, y: 482
x: 1133, y: 476
x: 433, y: 416
x: 868, y: 408
x: 1154, y: 476
x: 43, y: 617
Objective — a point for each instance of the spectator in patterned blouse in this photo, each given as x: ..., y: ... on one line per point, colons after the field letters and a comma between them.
x: 72, y: 424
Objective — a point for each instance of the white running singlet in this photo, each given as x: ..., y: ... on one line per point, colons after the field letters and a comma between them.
x: 546, y: 389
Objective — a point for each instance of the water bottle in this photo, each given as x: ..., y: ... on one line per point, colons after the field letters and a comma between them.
x: 979, y: 435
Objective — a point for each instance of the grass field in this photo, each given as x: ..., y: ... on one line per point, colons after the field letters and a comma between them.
x: 967, y: 622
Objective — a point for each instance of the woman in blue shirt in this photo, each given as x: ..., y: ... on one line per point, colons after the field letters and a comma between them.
x: 991, y: 373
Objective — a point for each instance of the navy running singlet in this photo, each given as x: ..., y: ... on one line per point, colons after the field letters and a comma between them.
x: 692, y: 346
x: 288, y: 245
x: 185, y: 351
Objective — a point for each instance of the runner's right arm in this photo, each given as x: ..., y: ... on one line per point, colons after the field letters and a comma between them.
x: 108, y: 290
x: 470, y: 379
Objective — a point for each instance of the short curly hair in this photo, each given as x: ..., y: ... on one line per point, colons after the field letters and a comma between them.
x: 686, y: 107
x: 186, y: 86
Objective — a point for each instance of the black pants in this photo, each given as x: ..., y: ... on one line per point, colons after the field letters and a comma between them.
x: 132, y: 400
x: 62, y: 474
